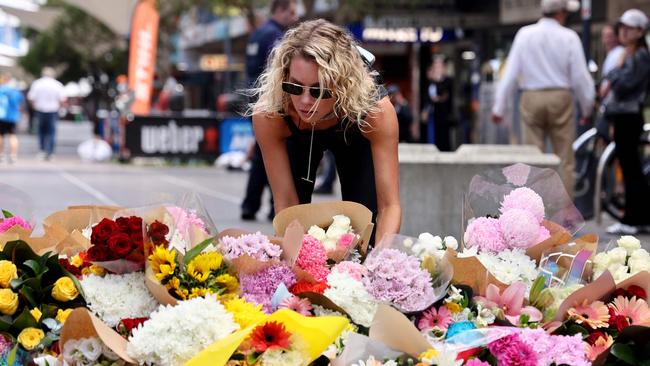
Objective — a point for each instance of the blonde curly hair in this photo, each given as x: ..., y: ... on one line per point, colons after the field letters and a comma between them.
x: 341, y: 69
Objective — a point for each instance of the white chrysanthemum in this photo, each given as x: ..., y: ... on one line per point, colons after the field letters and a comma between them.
x: 175, y: 334
x: 450, y: 242
x: 374, y: 362
x: 352, y: 296
x: 116, y: 297
x: 297, y: 356
x: 428, y: 245
x: 510, y: 266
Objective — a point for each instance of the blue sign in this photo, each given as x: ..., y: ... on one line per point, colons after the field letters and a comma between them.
x: 236, y: 135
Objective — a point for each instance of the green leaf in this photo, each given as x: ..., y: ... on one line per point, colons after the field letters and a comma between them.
x: 11, y: 358
x: 34, y: 265
x: 192, y: 253
x: 624, y: 352
x: 536, y: 289
x: 49, y: 311
x: 29, y: 295
x: 5, y: 323
x: 7, y: 215
x: 25, y: 320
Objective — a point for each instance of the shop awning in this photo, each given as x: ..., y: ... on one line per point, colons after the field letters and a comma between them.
x: 115, y: 14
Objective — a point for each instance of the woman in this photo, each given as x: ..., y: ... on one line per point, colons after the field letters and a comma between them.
x: 317, y: 94
x: 624, y: 92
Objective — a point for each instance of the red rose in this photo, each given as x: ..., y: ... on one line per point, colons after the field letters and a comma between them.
x: 138, y: 240
x: 135, y: 224
x: 594, y: 336
x: 123, y: 224
x: 157, y: 232
x: 120, y: 245
x: 618, y: 322
x: 97, y: 253
x: 620, y: 292
x: 637, y: 291
x: 102, y: 231
x: 127, y: 325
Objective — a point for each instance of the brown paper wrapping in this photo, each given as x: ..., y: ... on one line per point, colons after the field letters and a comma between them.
x: 320, y: 214
x: 16, y: 232
x: 471, y: 272
x: 82, y: 324
x: 393, y: 329
x: 559, y: 236
x: 322, y: 300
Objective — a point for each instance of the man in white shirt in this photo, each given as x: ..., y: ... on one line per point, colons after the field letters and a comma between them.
x: 46, y: 95
x: 614, y: 51
x: 547, y: 62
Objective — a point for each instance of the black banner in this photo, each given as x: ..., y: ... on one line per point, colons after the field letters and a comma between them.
x: 173, y: 137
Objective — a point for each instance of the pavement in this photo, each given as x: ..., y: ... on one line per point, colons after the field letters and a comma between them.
x: 49, y: 186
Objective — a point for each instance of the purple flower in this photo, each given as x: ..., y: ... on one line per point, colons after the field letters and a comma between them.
x: 397, y: 278
x: 255, y: 245
x: 485, y: 233
x: 8, y: 223
x: 260, y: 287
x: 524, y: 199
x: 551, y: 349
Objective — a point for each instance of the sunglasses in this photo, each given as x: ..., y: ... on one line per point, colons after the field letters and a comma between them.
x: 314, y: 91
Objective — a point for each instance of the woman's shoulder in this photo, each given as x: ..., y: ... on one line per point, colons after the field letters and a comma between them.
x: 384, y: 119
x: 272, y: 124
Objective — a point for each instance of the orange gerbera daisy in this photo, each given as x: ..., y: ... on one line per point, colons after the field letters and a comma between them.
x: 635, y: 310
x: 595, y: 315
x: 271, y: 335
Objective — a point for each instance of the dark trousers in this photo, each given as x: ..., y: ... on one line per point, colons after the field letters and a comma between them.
x: 47, y: 131
x: 257, y: 180
x: 627, y: 131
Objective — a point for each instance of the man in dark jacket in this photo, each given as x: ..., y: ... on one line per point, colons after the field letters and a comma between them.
x: 260, y: 44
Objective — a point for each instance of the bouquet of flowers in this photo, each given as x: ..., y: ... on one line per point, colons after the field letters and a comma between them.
x: 175, y: 334
x: 118, y: 245
x: 623, y: 261
x: 270, y: 344
x: 36, y: 296
x: 337, y: 239
x: 89, y: 351
x: 194, y: 274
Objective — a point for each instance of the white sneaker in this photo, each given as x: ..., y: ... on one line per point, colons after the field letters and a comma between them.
x: 622, y: 229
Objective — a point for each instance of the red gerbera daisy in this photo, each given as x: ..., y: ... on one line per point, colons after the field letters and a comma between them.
x: 271, y: 335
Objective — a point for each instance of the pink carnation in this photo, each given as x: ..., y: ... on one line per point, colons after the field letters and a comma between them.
x: 519, y: 227
x: 354, y: 270
x: 313, y: 258
x: 8, y: 223
x: 524, y: 199
x: 485, y: 233
x: 543, y: 234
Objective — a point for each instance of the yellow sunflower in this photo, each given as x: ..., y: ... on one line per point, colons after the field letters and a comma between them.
x: 199, y: 292
x: 201, y: 266
x: 229, y: 282
x: 163, y: 262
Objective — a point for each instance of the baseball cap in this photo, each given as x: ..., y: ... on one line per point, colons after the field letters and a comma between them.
x: 634, y: 18
x: 551, y: 6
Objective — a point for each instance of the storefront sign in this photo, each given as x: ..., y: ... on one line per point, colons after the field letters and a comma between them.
x: 173, y: 137
x: 236, y: 135
x: 519, y: 11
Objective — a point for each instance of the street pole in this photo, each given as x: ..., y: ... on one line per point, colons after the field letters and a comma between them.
x: 586, y: 28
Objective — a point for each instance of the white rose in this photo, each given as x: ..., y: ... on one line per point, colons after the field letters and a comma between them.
x: 640, y: 254
x: 638, y: 265
x: 317, y: 232
x: 335, y: 232
x: 47, y: 360
x: 451, y: 242
x: 621, y: 273
x: 601, y: 261
x: 629, y: 243
x: 617, y: 256
x: 329, y: 243
x: 341, y: 221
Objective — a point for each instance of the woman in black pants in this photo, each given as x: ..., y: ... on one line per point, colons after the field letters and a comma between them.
x: 624, y: 91
x: 318, y: 94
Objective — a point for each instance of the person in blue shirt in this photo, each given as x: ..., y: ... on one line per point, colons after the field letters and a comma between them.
x: 11, y: 100
x: 258, y: 48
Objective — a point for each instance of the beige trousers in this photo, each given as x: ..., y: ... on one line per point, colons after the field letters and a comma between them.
x: 549, y: 113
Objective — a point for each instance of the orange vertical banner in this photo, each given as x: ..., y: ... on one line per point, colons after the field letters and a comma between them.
x: 142, y: 54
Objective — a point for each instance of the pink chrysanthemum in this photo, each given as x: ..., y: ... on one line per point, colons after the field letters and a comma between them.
x: 519, y: 228
x: 485, y: 233
x: 524, y: 199
x: 355, y: 270
x: 476, y: 362
x: 300, y: 306
x: 435, y: 319
x: 8, y: 223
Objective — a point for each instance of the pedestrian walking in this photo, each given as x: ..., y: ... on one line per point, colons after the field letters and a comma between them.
x: 548, y: 63
x: 11, y: 100
x: 318, y: 94
x: 624, y: 90
x: 260, y: 44
x: 439, y: 106
x: 46, y: 95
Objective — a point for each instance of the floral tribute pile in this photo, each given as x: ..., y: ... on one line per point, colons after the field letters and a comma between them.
x: 161, y: 287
